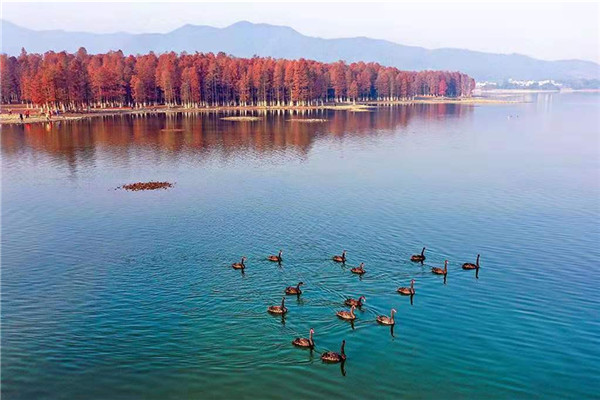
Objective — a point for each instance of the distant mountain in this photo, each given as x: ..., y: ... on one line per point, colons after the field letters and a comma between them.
x: 245, y: 39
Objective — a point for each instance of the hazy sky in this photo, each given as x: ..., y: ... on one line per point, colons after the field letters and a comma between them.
x: 544, y: 30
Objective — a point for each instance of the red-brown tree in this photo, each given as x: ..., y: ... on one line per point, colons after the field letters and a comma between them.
x: 200, y: 80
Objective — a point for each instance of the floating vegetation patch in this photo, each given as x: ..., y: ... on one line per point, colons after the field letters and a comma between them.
x: 307, y: 120
x: 172, y: 130
x: 241, y: 118
x: 152, y: 185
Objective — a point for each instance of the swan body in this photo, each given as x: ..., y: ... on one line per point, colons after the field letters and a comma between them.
x: 333, y: 357
x: 407, y: 291
x: 239, y: 265
x: 276, y: 258
x: 278, y: 309
x: 385, y: 320
x: 440, y: 271
x: 341, y: 258
x: 471, y: 266
x: 354, y: 302
x: 347, y: 315
x: 360, y: 270
x: 304, y: 342
x: 418, y: 257
x: 294, y: 289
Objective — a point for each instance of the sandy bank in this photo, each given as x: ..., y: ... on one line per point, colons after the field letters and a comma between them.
x: 35, y: 117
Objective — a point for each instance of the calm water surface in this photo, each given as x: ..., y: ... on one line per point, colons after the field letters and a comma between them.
x: 108, y: 294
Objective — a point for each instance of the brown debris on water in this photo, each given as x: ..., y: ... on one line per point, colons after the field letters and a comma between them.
x: 152, y: 185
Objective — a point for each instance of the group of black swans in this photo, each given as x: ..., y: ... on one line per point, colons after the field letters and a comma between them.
x: 330, y: 356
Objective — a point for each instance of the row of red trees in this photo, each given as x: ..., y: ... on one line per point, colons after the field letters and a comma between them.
x: 112, y: 79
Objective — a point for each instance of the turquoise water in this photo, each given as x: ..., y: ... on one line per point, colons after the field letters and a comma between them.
x: 108, y: 294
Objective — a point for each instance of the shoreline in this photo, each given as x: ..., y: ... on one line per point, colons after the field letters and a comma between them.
x: 532, y: 91
x: 6, y: 119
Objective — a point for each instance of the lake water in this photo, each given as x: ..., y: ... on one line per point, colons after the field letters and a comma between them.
x: 108, y: 294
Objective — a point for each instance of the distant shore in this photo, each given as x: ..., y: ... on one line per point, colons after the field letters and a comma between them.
x: 528, y: 91
x: 36, y: 117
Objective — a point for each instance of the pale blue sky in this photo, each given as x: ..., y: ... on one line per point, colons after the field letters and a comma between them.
x: 545, y: 30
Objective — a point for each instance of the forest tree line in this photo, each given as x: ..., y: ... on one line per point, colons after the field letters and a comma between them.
x: 79, y: 80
